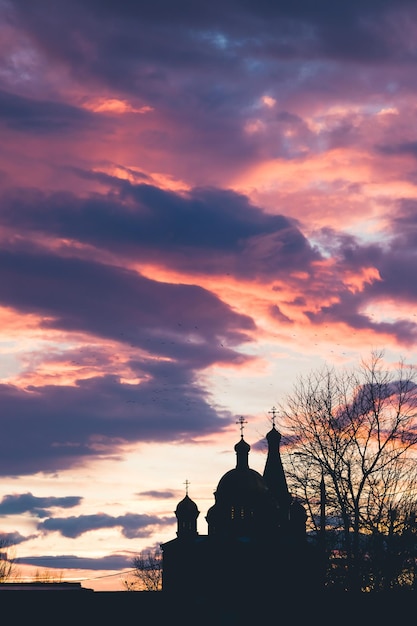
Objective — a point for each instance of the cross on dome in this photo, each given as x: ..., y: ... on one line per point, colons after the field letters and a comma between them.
x: 241, y: 421
x: 186, y: 487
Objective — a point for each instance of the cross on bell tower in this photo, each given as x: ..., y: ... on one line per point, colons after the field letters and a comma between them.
x: 273, y: 412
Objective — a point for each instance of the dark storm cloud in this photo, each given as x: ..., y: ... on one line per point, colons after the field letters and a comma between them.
x: 185, y: 324
x: 395, y: 259
x: 348, y: 310
x: 160, y: 32
x: 132, y: 525
x: 396, y: 263
x: 37, y: 116
x: 26, y: 502
x: 203, y: 67
x: 69, y: 561
x: 205, y: 230
x: 55, y: 427
x: 116, y: 303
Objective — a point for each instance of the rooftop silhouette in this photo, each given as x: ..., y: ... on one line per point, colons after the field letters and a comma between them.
x: 254, y: 525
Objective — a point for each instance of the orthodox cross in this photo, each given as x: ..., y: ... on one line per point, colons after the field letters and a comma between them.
x: 241, y: 421
x: 273, y: 412
x: 186, y: 487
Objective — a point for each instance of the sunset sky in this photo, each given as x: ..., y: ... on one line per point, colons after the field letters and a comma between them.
x: 200, y: 202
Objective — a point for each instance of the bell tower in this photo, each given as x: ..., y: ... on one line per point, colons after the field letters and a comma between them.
x: 186, y: 514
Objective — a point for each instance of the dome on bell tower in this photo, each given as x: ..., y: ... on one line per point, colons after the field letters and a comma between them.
x: 187, y: 514
x: 187, y: 508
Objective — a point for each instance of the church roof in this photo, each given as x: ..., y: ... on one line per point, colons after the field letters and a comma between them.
x: 239, y: 482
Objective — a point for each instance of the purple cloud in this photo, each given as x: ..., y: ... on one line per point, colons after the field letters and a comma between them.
x: 159, y: 495
x: 40, y: 506
x: 28, y: 115
x: 97, y: 416
x: 203, y: 69
x: 70, y: 561
x: 207, y: 230
x: 146, y: 313
x: 13, y: 539
x: 132, y: 525
x: 395, y: 260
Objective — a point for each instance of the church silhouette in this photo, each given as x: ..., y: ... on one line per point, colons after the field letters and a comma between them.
x: 256, y: 541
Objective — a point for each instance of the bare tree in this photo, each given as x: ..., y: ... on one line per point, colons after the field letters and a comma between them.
x: 147, y: 571
x: 7, y: 559
x: 358, y: 430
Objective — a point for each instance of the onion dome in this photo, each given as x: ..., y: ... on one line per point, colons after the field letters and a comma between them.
x: 242, y: 450
x: 187, y: 508
x: 186, y: 514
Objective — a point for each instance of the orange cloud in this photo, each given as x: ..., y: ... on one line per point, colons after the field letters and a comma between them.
x: 113, y: 105
x: 356, y: 281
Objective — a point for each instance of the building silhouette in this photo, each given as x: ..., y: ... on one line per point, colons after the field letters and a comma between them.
x: 256, y: 541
